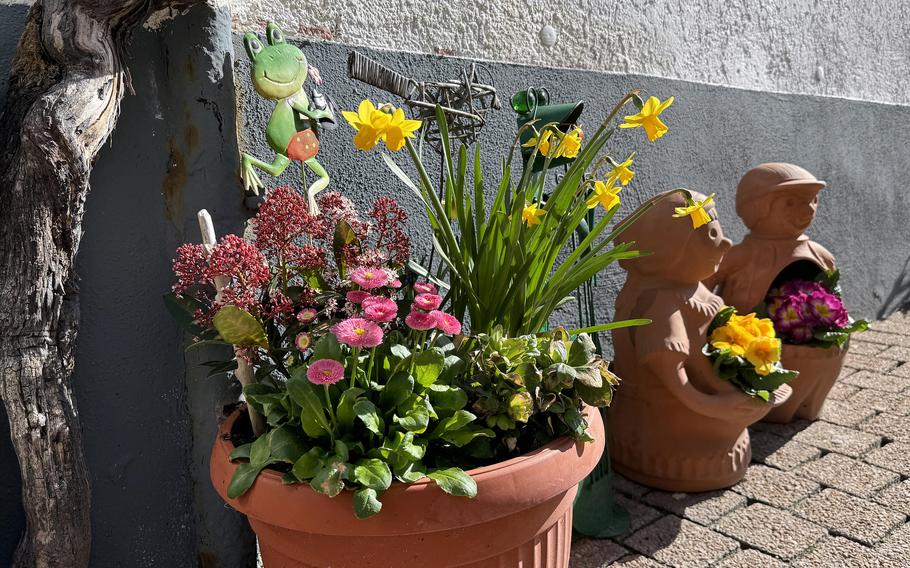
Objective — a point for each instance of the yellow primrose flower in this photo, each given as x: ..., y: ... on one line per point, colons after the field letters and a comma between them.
x: 621, y: 172
x: 609, y: 198
x: 398, y: 129
x: 545, y: 143
x: 731, y: 336
x: 697, y: 211
x: 370, y: 124
x: 648, y: 118
x: 571, y: 143
x: 763, y: 353
x: 531, y: 214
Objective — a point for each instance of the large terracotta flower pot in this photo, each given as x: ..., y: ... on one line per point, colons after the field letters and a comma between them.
x: 818, y: 370
x: 522, y: 515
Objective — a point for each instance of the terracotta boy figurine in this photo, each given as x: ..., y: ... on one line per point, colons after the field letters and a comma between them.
x: 777, y: 202
x: 674, y: 424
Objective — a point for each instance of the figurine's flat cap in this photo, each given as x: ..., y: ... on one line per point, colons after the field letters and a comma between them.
x: 770, y: 178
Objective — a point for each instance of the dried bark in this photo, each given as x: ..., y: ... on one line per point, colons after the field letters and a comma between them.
x: 66, y: 83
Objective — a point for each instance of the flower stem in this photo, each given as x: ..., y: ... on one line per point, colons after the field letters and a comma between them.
x: 370, y: 365
x: 355, y: 353
x: 328, y: 404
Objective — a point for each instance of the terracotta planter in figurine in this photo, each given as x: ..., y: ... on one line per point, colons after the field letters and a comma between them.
x: 777, y: 203
x: 522, y: 515
x: 674, y: 424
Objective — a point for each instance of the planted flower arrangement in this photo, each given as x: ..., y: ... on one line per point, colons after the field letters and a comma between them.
x: 393, y: 413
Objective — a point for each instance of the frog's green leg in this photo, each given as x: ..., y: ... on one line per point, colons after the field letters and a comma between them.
x: 248, y: 164
x: 317, y: 185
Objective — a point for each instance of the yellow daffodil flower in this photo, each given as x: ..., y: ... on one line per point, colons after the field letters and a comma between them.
x: 607, y: 197
x: 696, y: 210
x: 399, y: 128
x: 621, y: 172
x: 763, y: 353
x: 571, y: 144
x: 370, y: 124
x: 531, y: 214
x: 648, y: 118
x: 545, y: 143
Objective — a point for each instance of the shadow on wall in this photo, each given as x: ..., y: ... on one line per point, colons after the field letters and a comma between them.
x: 899, y: 296
x: 12, y: 518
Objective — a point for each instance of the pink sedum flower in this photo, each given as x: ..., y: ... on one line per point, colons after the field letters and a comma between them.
x: 306, y: 315
x: 427, y: 301
x: 358, y: 332
x: 421, y: 321
x: 369, y: 277
x: 424, y: 288
x: 381, y: 310
x: 357, y: 296
x: 325, y: 372
x: 303, y: 341
x: 446, y: 323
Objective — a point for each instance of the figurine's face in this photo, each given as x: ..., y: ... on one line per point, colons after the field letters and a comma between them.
x: 790, y: 214
x: 279, y: 69
x: 704, y: 251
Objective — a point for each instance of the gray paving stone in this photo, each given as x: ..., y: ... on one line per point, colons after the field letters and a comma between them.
x: 636, y: 561
x: 775, y: 487
x: 639, y: 514
x: 845, y: 413
x: 889, y: 426
x: 869, y: 348
x: 845, y: 371
x: 878, y: 381
x: 895, y: 497
x: 628, y: 486
x: 848, y: 474
x: 750, y: 559
x: 771, y: 530
x: 838, y: 552
x: 881, y: 401
x: 781, y: 452
x: 882, y: 338
x: 842, y: 391
x: 895, y: 352
x: 787, y: 430
x: 703, y: 508
x: 681, y: 543
x: 839, y: 439
x: 895, y: 549
x: 875, y: 363
x: 894, y: 457
x: 902, y: 370
x: 595, y: 553
x: 899, y: 326
x: 846, y: 515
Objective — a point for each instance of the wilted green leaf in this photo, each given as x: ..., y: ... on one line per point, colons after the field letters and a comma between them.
x: 239, y: 327
x: 521, y: 406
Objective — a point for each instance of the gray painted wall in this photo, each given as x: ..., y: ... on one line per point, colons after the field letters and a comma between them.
x: 148, y: 413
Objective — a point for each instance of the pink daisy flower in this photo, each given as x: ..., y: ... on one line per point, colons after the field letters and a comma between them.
x: 357, y: 296
x: 303, y: 341
x: 381, y: 310
x: 427, y: 301
x: 369, y: 277
x: 421, y: 321
x: 325, y: 372
x: 358, y: 332
x: 446, y: 323
x: 424, y: 288
x: 306, y: 315
x: 395, y: 283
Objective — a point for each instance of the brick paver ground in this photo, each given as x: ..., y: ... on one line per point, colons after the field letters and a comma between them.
x: 831, y: 494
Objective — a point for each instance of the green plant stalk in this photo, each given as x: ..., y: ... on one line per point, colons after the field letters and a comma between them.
x: 355, y: 353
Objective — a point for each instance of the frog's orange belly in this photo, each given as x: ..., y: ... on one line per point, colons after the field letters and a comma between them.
x: 303, y: 145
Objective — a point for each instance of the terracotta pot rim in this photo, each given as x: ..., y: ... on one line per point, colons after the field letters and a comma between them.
x: 559, y: 469
x: 815, y: 352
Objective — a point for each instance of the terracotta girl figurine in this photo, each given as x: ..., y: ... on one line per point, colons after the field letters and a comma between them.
x: 674, y: 424
x: 777, y: 202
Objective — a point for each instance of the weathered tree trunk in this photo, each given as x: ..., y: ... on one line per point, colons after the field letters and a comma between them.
x: 64, y: 94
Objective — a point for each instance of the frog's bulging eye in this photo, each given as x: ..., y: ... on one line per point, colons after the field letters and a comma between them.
x: 274, y: 34
x: 253, y: 45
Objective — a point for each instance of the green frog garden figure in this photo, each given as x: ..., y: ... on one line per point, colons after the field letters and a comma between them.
x: 278, y: 72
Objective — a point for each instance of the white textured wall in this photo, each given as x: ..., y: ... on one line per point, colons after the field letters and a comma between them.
x: 846, y: 48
